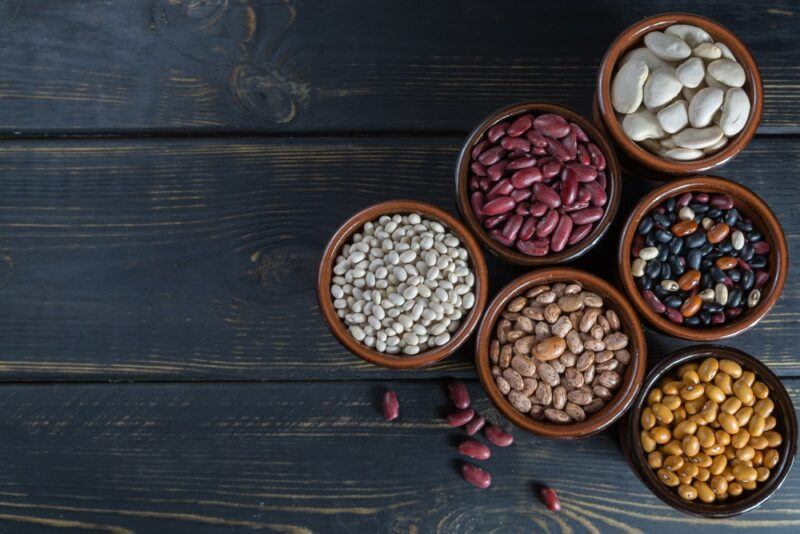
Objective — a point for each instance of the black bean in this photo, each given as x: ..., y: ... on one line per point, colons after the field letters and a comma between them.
x: 693, y: 259
x: 699, y: 208
x: 747, y: 252
x: 645, y: 226
x: 755, y: 236
x: 731, y: 217
x: 748, y: 278
x: 666, y: 270
x: 660, y: 292
x: 671, y: 204
x: 676, y: 245
x: 734, y: 275
x: 662, y: 220
x: 717, y: 274
x: 653, y: 268
x: 644, y: 282
x: 705, y: 317
x: 691, y: 321
x: 706, y: 263
x: 714, y: 213
x: 758, y: 262
x: 649, y: 239
x: 734, y: 298
x: 663, y: 252
x: 744, y: 226
x: 713, y: 308
x: 663, y: 236
x: 695, y: 240
x: 706, y: 248
x: 706, y: 281
x: 725, y: 247
x: 676, y: 264
x: 673, y: 301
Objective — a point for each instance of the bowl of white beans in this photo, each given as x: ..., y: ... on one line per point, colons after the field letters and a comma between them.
x: 402, y: 284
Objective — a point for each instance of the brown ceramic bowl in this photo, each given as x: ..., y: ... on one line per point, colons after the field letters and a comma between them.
x: 571, y: 252
x: 342, y: 237
x: 640, y: 156
x: 786, y: 426
x: 634, y: 373
x: 751, y: 206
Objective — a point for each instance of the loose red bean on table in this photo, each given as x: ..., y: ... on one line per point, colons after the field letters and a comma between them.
x: 458, y: 394
x: 391, y: 408
x: 460, y: 417
x: 476, y: 476
x: 550, y: 498
x: 538, y: 183
x: 498, y: 436
x: 474, y: 449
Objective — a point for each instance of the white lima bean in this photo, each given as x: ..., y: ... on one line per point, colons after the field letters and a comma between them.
x: 681, y: 79
x: 403, y: 284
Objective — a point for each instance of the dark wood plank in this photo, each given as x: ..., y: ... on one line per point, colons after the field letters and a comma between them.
x: 336, y: 66
x: 197, y: 258
x: 303, y: 458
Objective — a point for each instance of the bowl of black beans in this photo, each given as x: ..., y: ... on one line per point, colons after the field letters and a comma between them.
x: 703, y: 258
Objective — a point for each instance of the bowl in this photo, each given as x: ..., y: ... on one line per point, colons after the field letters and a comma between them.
x: 786, y: 425
x: 634, y: 373
x: 751, y: 206
x: 569, y: 253
x: 643, y: 158
x: 342, y: 237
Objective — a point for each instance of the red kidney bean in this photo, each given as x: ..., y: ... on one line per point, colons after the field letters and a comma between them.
x: 539, y: 151
x: 499, y: 205
x: 561, y: 234
x: 491, y: 156
x: 476, y: 200
x: 512, y: 226
x: 717, y: 318
x: 547, y: 224
x: 550, y: 169
x: 460, y: 417
x: 473, y: 183
x: 550, y: 499
x: 474, y: 449
x: 598, y: 159
x: 492, y: 222
x: 701, y: 197
x: 521, y: 125
x: 477, y: 168
x: 496, y: 132
x: 551, y: 125
x: 733, y: 313
x: 500, y: 189
x: 569, y: 189
x: 727, y: 281
x: 458, y: 394
x: 520, y: 194
x: 652, y: 300
x: 516, y: 143
x: 476, y: 476
x: 522, y: 208
x: 498, y: 436
x: 761, y: 247
x: 475, y: 425
x: 721, y: 202
x: 578, y: 233
x: 538, y: 209
x: 480, y: 147
x: 586, y: 215
x: 597, y: 193
x: 535, y: 247
x: 484, y: 184
x: 391, y: 408
x: 743, y: 264
x: 557, y: 149
x: 674, y: 315
x: 601, y: 179
x: 521, y: 163
x: 517, y: 154
x: 683, y: 200
x: 581, y: 135
x: 760, y: 279
x: 527, y: 229
x: 570, y: 142
x: 546, y: 195
x: 537, y: 140
x: 583, y: 173
x: 583, y: 194
x: 583, y: 156
x: 495, y: 172
x: 497, y: 235
x: 526, y: 177
x: 575, y: 206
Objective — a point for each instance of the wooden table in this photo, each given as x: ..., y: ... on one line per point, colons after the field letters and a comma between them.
x: 171, y: 171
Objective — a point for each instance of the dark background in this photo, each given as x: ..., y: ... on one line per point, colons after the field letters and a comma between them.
x: 170, y: 171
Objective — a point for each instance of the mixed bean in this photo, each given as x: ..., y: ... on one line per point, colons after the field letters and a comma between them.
x: 537, y: 183
x: 698, y: 261
x: 558, y: 353
x: 403, y: 284
x: 710, y: 432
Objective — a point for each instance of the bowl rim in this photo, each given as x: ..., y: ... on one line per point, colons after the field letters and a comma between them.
x: 746, y: 201
x: 629, y: 38
x: 634, y: 373
x: 613, y: 178
x: 343, y: 235
x: 636, y: 456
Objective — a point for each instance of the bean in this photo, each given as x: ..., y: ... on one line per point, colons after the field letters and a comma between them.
x: 498, y: 206
x: 458, y: 394
x: 561, y: 234
x: 497, y: 436
x: 474, y: 449
x: 475, y: 424
x: 460, y: 417
x: 391, y: 408
x: 550, y: 499
x: 476, y: 476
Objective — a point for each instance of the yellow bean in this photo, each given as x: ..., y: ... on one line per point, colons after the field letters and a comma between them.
x: 690, y: 446
x: 728, y: 423
x: 679, y: 415
x: 704, y: 492
x: 683, y: 429
x: 740, y: 439
x: 718, y: 465
x: 724, y: 382
x: 655, y: 459
x: 756, y: 425
x: 710, y: 411
x: 686, y: 368
x: 689, y: 469
x: 648, y: 420
x: 687, y: 492
x: 760, y: 390
x: 708, y: 369
x: 762, y: 474
x: 697, y: 419
x: 769, y: 422
x: 705, y: 436
x: 731, y: 405
x: 648, y: 443
x: 730, y: 453
x: 718, y: 484
x: 714, y: 450
x: 692, y: 392
x: 759, y: 443
x: 672, y: 447
x: 671, y: 479
x: 745, y: 454
x: 690, y: 377
x: 703, y: 474
x: 731, y: 368
x: 728, y: 474
x: 715, y: 393
x: 654, y: 396
x: 683, y: 479
x: 673, y: 463
x: 744, y: 473
x: 743, y: 392
x: 735, y: 489
x: 764, y: 407
x: 673, y: 402
x: 661, y: 434
x: 662, y: 414
x: 722, y: 437
x: 771, y: 458
x: 693, y: 406
x: 749, y: 377
x: 743, y: 415
x: 749, y: 485
x: 701, y: 459
x: 773, y: 439
x: 672, y: 388
x: 758, y: 459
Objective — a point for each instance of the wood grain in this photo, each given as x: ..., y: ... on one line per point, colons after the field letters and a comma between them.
x: 282, y: 66
x: 196, y: 259
x: 307, y: 458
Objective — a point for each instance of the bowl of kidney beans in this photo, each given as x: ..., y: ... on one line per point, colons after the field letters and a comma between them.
x: 703, y: 258
x: 537, y: 184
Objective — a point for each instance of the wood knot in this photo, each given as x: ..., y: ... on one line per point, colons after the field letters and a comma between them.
x: 286, y: 269
x: 267, y: 94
